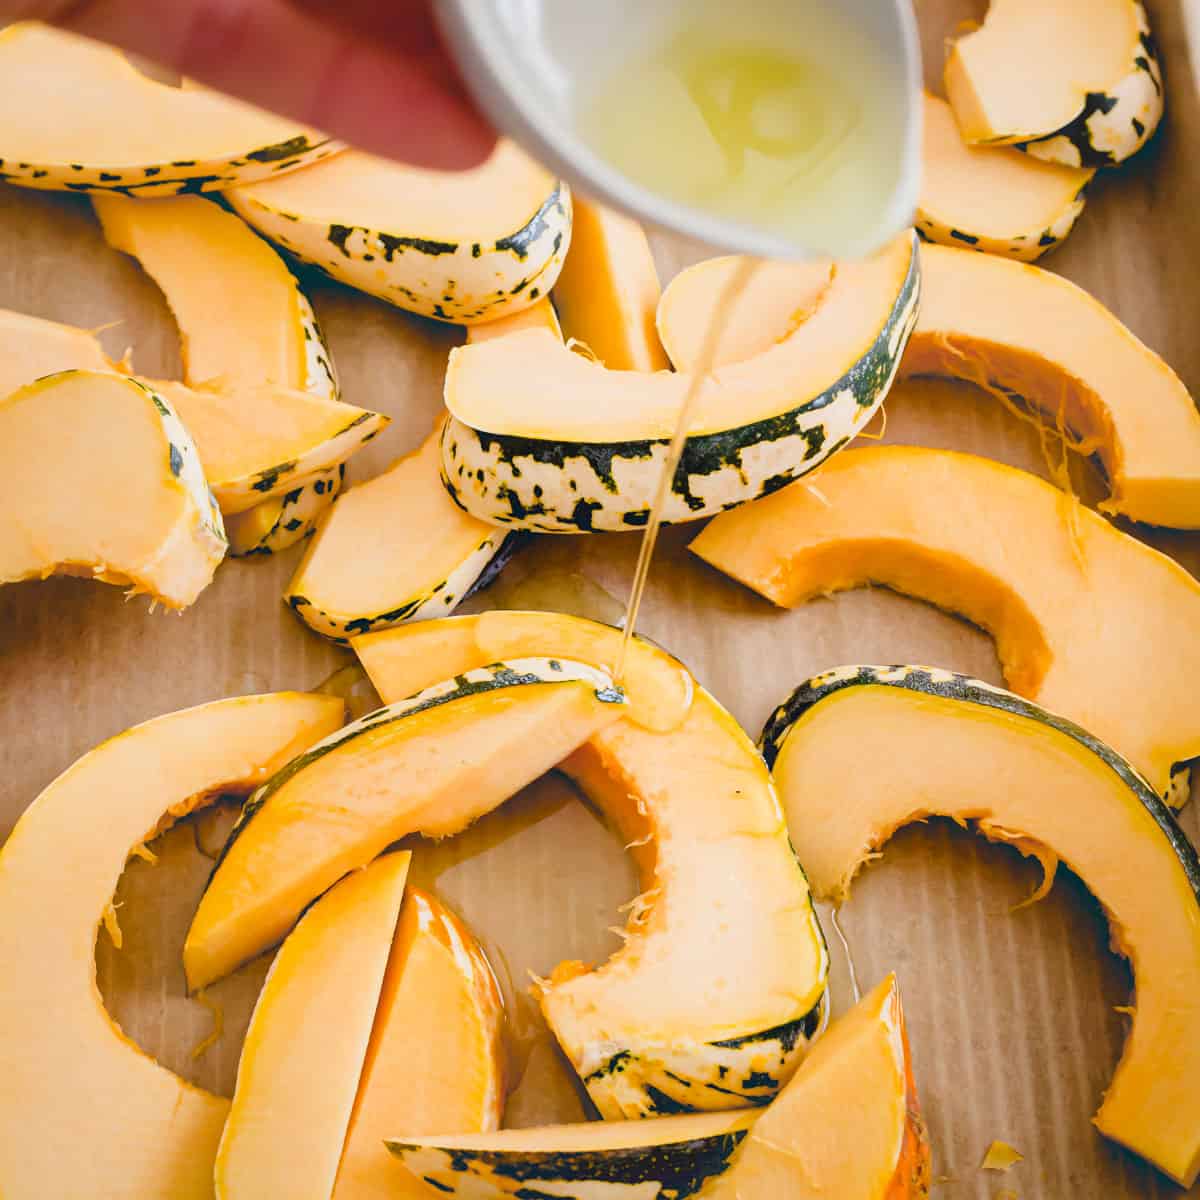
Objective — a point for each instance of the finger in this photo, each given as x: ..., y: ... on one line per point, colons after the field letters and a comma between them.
x: 396, y: 95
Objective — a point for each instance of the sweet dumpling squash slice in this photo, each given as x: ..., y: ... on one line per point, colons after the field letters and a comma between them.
x: 83, y: 1112
x: 431, y: 764
x: 931, y: 743
x: 540, y: 315
x: 435, y: 1060
x: 847, y: 1126
x: 1075, y: 81
x: 98, y: 477
x: 1088, y: 621
x: 276, y: 524
x: 305, y: 1045
x: 78, y: 116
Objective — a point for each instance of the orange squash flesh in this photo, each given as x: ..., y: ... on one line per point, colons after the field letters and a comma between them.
x: 1088, y: 621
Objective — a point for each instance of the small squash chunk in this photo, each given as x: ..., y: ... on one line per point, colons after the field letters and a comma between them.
x: 279, y: 523
x: 78, y: 116
x: 847, y: 1126
x: 394, y: 549
x: 1075, y: 82
x: 724, y: 903
x: 428, y: 765
x: 543, y: 438
x: 99, y: 478
x: 436, y: 1055
x: 993, y: 199
x: 1038, y: 336
x: 401, y: 662
x: 462, y: 246
x: 83, y: 1112
x: 241, y: 314
x: 608, y: 291
x: 1016, y: 771
x: 304, y: 1049
x: 1013, y: 555
x: 540, y: 315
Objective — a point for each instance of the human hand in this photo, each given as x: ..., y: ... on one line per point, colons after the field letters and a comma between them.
x: 371, y: 72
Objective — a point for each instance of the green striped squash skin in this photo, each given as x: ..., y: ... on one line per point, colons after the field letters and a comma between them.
x: 935, y: 682
x: 1115, y: 124
x: 575, y: 487
x: 299, y: 511
x: 170, y: 179
x: 462, y: 282
x: 668, y: 1172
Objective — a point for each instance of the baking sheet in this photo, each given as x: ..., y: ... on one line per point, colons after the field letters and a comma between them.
x: 1011, y: 1014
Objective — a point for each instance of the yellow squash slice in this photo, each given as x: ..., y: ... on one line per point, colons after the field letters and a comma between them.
x: 1088, y: 621
x: 993, y: 199
x: 77, y: 116
x: 1073, y: 81
x: 436, y: 1056
x: 461, y: 246
x: 1017, y: 772
x: 83, y: 1112
x: 395, y: 549
x: 282, y: 521
x: 724, y: 903
x: 539, y: 315
x: 99, y: 478
x: 429, y: 765
x: 542, y: 438
x: 304, y: 1049
x: 847, y: 1127
x: 608, y: 291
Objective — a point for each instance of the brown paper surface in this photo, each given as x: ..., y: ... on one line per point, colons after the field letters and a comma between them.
x: 1011, y: 1014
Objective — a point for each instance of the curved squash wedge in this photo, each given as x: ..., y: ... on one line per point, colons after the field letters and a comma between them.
x: 1013, y: 555
x: 724, y: 903
x: 993, y: 199
x: 282, y: 521
x: 78, y: 116
x: 461, y: 246
x: 539, y: 315
x: 1075, y: 82
x: 608, y: 291
x: 515, y: 453
x: 1014, y: 770
x: 848, y: 1125
x: 99, y: 478
x: 305, y: 1045
x: 81, y: 1104
x: 436, y: 1056
x: 395, y: 549
x: 429, y: 765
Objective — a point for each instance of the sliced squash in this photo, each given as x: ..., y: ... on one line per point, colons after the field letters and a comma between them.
x: 395, y: 549
x: 539, y: 315
x: 724, y: 904
x: 460, y: 246
x: 83, y: 1112
x: 99, y: 478
x: 847, y: 1126
x: 78, y: 116
x: 542, y: 438
x: 431, y: 764
x: 404, y: 661
x: 241, y: 314
x: 1016, y: 771
x: 1087, y: 620
x: 436, y: 1055
x: 993, y: 199
x: 608, y: 291
x: 305, y: 1045
x: 282, y: 521
x: 1075, y: 82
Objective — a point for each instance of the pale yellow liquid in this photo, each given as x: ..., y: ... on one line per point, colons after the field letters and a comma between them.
x: 770, y: 113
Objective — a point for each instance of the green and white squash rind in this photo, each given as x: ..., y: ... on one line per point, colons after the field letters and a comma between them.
x: 1115, y: 124
x: 1022, y: 248
x: 320, y: 375
x: 298, y: 512
x: 461, y: 282
x: 694, y: 1151
x: 439, y: 599
x: 577, y: 487
x: 518, y: 672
